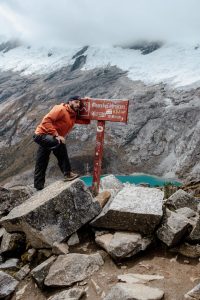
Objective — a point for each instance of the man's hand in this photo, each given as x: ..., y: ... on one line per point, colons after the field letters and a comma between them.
x: 60, y: 139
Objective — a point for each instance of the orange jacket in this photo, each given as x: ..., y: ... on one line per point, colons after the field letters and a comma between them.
x: 59, y: 121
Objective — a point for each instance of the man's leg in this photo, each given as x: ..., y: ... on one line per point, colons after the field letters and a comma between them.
x: 63, y: 159
x: 42, y: 159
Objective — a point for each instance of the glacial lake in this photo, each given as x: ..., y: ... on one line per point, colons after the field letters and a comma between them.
x: 138, y: 179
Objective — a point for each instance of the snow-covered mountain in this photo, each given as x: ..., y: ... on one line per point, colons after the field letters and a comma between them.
x: 162, y: 81
x: 175, y: 63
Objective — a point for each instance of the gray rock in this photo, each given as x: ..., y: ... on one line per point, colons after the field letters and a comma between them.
x: 22, y: 273
x: 194, y: 236
x: 71, y: 294
x: 182, y: 199
x: 12, y: 242
x: 194, y: 294
x: 73, y: 240
x: 138, y: 278
x: 135, y: 209
x: 60, y: 248
x: 71, y: 268
x: 122, y: 244
x: 174, y: 227
x: 2, y: 231
x: 40, y: 272
x: 11, y: 263
x: 7, y: 284
x: 9, y: 198
x: 188, y: 250
x: 186, y: 212
x: 53, y: 214
x: 110, y: 182
x: 125, y: 291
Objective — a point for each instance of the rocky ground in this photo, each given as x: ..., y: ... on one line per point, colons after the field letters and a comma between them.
x: 130, y: 242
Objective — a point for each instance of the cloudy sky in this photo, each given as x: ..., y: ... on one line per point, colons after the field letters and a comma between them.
x: 99, y: 22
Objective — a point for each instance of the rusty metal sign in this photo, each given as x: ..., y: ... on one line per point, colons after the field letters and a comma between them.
x: 104, y: 110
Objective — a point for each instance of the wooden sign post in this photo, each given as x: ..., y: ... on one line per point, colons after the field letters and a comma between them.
x: 102, y: 110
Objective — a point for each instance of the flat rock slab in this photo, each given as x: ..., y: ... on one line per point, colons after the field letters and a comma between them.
x: 136, y: 209
x: 125, y: 291
x: 138, y: 278
x: 71, y: 294
x: 53, y: 214
x: 71, y: 268
x: 174, y: 227
x: 40, y: 272
x: 11, y: 263
x: 122, y: 244
x: 7, y: 284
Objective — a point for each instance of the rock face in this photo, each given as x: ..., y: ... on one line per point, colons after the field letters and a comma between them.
x: 53, y: 214
x: 9, y: 198
x: 12, y: 242
x: 125, y: 291
x: 182, y: 199
x: 7, y: 285
x: 174, y: 227
x: 71, y: 294
x: 110, y: 182
x: 122, y: 244
x: 135, y: 209
x: 71, y: 268
x: 195, y: 233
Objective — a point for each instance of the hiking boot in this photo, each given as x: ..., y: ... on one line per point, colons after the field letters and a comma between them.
x: 70, y: 176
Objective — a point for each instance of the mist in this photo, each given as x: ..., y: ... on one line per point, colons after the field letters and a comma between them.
x: 105, y: 22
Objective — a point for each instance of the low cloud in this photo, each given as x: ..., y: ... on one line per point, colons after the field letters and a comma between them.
x: 102, y: 22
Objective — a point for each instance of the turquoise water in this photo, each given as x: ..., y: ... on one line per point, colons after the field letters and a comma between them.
x: 137, y: 179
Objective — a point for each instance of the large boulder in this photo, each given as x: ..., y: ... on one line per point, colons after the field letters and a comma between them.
x: 182, y: 199
x: 125, y: 291
x: 134, y: 208
x: 174, y: 227
x: 71, y: 268
x: 122, y: 244
x: 53, y: 214
x: 9, y: 198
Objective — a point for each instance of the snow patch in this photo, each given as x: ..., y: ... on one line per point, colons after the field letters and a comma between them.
x: 175, y: 64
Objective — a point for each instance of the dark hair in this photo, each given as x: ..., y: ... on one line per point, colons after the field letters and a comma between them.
x: 74, y: 98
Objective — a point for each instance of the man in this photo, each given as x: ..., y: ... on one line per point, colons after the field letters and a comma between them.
x: 50, y: 135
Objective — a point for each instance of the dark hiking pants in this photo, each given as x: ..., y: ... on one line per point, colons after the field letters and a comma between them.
x: 48, y: 143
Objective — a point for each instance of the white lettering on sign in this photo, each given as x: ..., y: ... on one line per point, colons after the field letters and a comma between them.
x: 108, y: 105
x: 109, y: 112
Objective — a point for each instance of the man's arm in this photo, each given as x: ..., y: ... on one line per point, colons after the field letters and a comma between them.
x: 48, y: 121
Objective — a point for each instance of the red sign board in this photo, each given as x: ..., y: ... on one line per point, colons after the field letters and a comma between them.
x: 104, y: 110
